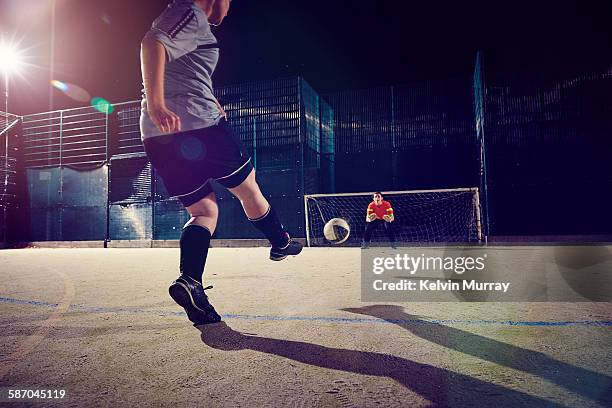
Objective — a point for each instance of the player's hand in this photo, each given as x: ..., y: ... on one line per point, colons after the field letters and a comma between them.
x: 388, y: 218
x: 371, y: 217
x: 223, y: 112
x: 164, y: 119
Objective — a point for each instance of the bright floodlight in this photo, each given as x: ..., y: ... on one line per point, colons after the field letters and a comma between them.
x: 10, y: 58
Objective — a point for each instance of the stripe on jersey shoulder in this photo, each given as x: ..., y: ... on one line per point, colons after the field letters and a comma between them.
x: 178, y: 27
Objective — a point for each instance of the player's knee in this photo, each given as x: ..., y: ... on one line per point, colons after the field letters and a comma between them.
x: 206, y: 207
x: 248, y: 190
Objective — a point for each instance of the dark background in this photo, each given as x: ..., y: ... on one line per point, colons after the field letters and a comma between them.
x: 335, y: 44
x: 394, y: 70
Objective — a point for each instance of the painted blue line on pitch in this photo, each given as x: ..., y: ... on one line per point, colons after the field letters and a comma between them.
x: 418, y: 321
x: 28, y: 302
x: 344, y: 320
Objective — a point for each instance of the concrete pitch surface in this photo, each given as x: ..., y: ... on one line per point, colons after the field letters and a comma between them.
x: 99, y: 324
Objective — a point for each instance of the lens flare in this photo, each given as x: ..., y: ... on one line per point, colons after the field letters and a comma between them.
x: 72, y: 91
x: 59, y: 85
x: 102, y: 105
x: 105, y: 18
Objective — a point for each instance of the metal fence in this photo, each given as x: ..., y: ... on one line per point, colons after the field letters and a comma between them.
x: 414, y: 136
x: 545, y: 134
x: 537, y: 143
x: 88, y: 177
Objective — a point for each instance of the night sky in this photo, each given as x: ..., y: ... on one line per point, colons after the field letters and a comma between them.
x: 334, y: 44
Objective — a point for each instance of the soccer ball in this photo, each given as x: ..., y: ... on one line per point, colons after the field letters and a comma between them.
x: 337, y: 230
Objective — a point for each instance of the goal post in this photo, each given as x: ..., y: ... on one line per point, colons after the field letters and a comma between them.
x: 450, y: 215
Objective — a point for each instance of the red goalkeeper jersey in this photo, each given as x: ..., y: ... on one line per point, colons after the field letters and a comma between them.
x: 383, y: 209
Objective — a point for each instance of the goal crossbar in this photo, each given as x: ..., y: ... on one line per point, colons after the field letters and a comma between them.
x: 441, y: 190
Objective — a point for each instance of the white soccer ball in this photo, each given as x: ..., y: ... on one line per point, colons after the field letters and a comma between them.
x: 337, y: 230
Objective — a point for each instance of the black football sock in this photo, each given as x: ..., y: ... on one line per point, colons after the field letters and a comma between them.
x: 194, y: 243
x: 272, y: 228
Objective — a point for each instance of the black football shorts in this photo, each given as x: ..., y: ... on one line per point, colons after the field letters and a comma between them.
x: 188, y: 161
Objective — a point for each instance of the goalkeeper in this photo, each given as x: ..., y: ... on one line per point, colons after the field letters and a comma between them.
x: 379, y: 212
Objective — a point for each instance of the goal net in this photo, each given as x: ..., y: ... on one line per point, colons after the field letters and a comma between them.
x: 421, y: 216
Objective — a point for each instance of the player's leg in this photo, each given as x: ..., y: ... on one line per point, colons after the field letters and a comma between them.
x: 263, y: 217
x: 186, y: 178
x: 188, y: 290
x: 367, y: 235
x: 230, y: 165
x: 254, y: 204
x: 390, y: 234
x: 196, y: 235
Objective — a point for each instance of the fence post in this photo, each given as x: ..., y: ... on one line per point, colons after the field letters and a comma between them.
x: 61, y: 177
x: 108, y: 183
x: 480, y: 116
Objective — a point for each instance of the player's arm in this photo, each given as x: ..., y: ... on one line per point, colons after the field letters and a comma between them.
x: 370, y: 214
x: 153, y: 65
x: 172, y: 35
x: 389, y: 217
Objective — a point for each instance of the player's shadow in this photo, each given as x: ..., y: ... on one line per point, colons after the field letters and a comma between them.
x: 440, y: 386
x: 587, y: 383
